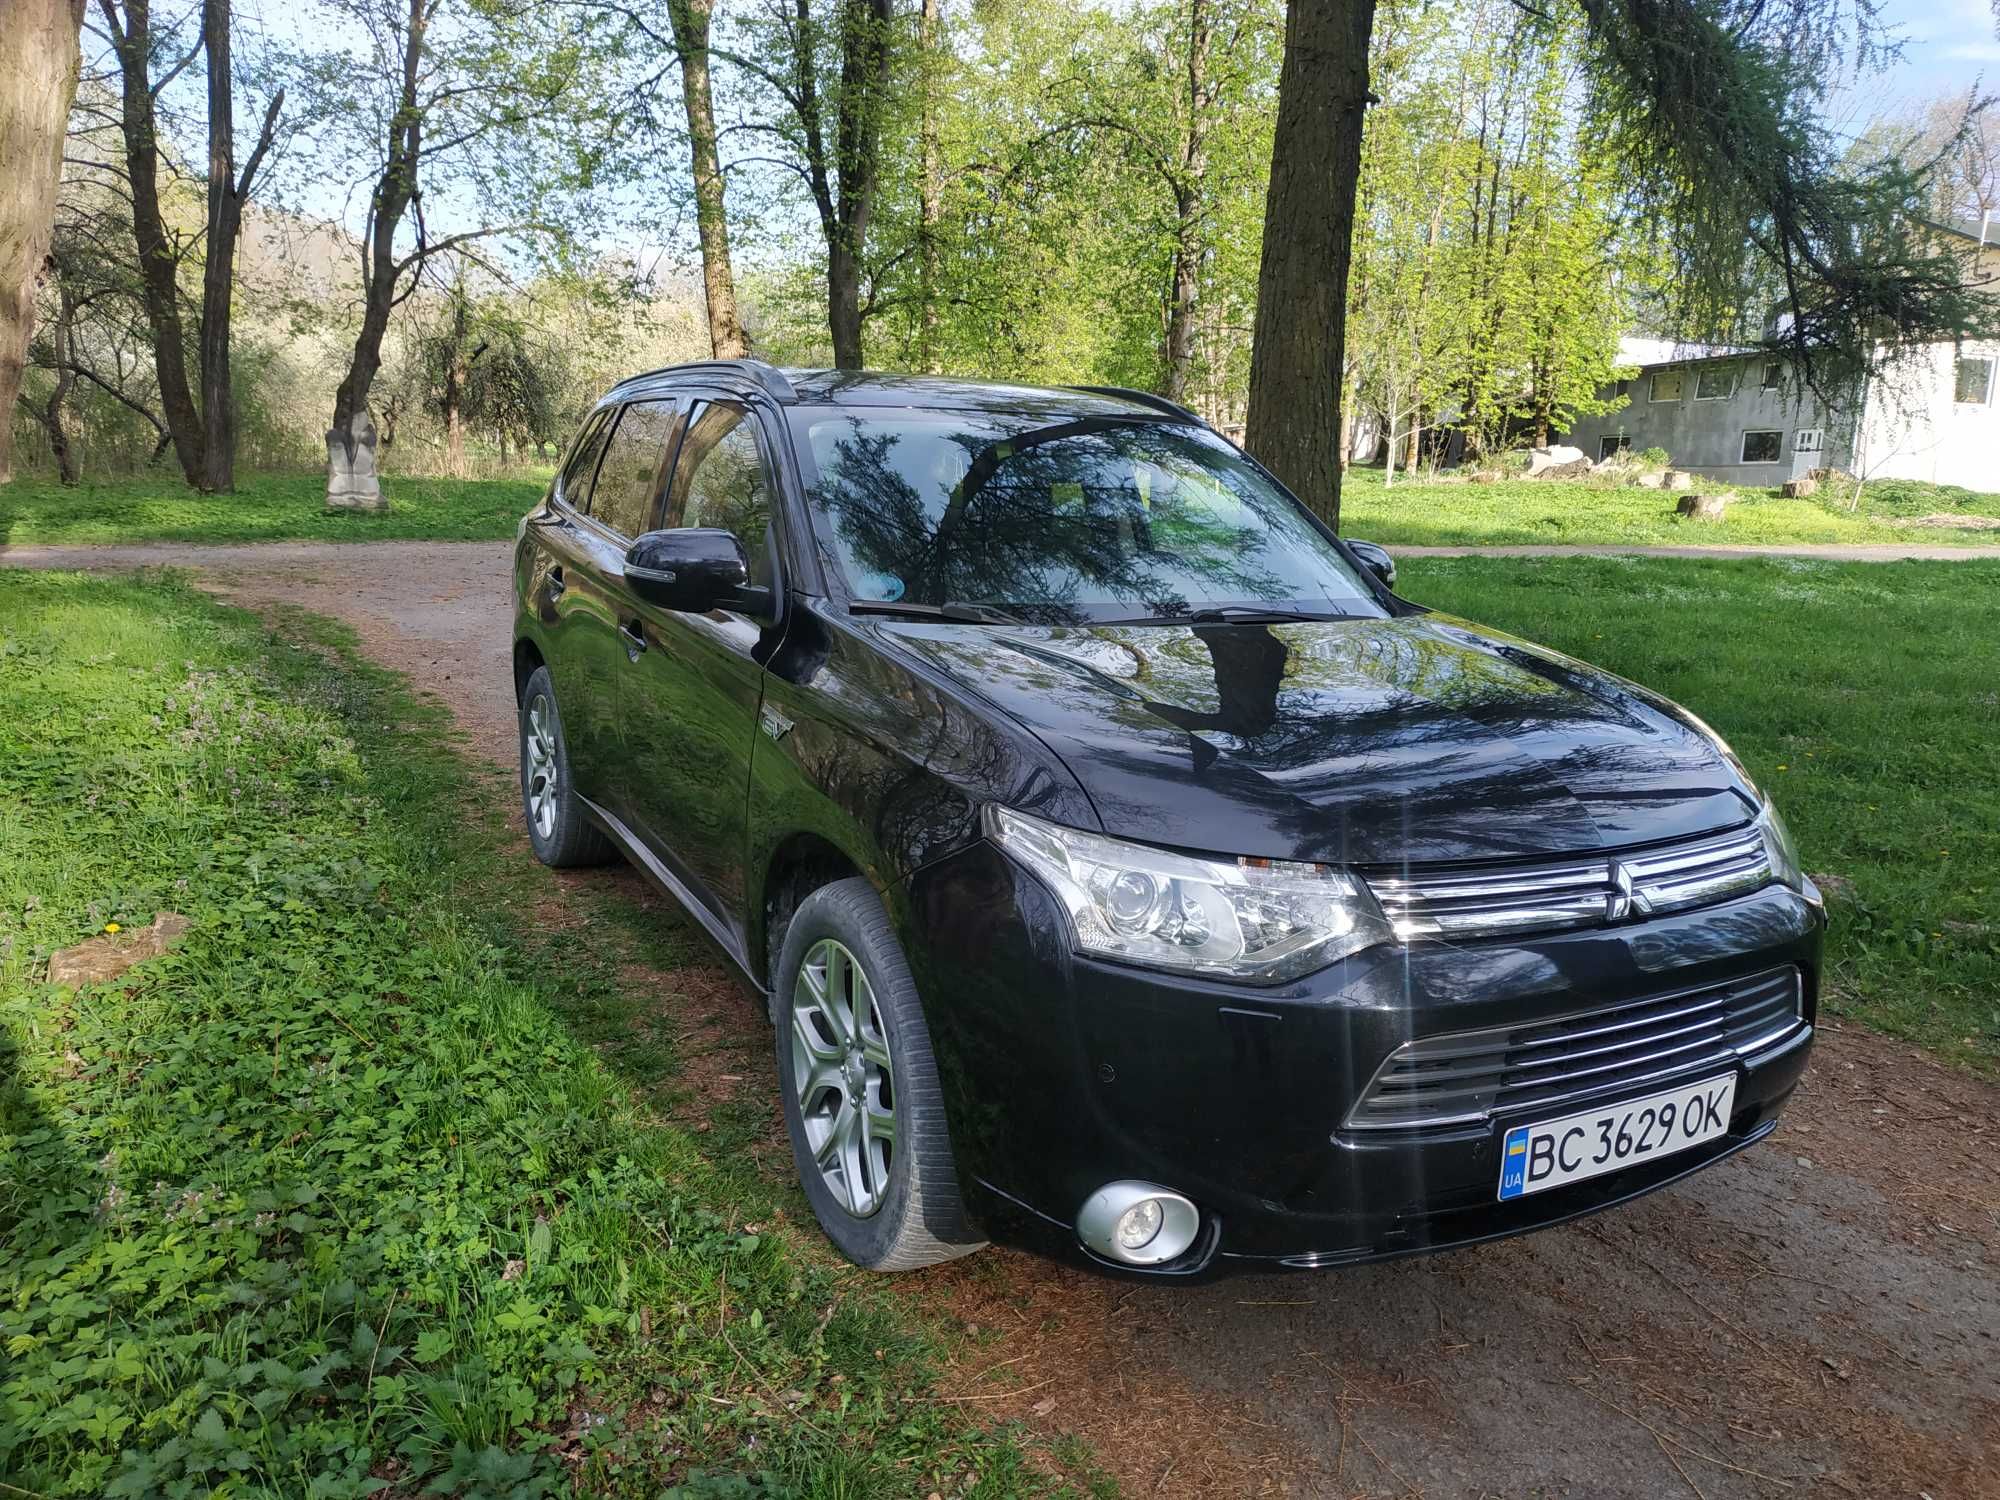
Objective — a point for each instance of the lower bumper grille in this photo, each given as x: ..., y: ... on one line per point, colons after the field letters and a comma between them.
x: 1468, y: 1076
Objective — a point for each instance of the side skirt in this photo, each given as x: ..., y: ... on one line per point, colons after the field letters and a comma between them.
x: 648, y: 864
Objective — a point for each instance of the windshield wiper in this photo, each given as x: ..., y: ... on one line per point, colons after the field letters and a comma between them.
x: 1233, y: 614
x: 907, y: 609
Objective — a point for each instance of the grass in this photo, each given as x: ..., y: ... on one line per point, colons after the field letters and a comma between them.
x: 157, y: 507
x: 340, y: 1194
x: 290, y: 507
x: 1862, y: 697
x: 1558, y: 512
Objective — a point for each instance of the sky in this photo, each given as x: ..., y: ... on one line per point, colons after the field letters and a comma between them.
x: 1948, y: 46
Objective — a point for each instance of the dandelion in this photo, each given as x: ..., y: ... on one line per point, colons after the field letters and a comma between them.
x: 111, y: 927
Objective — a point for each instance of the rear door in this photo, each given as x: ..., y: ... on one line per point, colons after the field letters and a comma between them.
x: 564, y: 556
x: 693, y: 694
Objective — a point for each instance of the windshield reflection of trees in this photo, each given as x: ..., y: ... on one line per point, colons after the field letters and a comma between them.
x: 1050, y: 520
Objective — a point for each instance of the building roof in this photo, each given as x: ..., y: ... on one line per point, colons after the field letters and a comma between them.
x: 1986, y: 234
x: 1648, y: 351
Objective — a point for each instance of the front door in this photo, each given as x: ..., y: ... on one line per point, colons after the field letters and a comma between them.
x: 624, y: 504
x: 693, y: 694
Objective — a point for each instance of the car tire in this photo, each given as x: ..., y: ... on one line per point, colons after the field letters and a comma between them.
x: 561, y: 833
x: 887, y: 1205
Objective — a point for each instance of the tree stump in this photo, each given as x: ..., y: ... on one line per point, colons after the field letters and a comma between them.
x: 1701, y: 507
x: 1800, y: 488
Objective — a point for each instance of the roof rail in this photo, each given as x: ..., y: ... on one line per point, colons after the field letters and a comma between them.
x: 766, y: 377
x: 1144, y: 398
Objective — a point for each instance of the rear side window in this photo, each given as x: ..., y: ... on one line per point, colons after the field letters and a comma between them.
x: 720, y: 480
x: 582, y: 466
x: 628, y: 481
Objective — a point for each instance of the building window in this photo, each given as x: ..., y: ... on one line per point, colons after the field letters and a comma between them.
x: 1763, y: 447
x: 1808, y: 440
x: 1606, y: 446
x: 1774, y: 375
x: 1667, y: 384
x: 1972, y: 383
x: 1715, y: 383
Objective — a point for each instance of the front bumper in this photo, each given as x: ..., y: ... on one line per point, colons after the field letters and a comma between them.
x: 1061, y: 1074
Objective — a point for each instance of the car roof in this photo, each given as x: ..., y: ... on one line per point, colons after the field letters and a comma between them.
x: 859, y: 388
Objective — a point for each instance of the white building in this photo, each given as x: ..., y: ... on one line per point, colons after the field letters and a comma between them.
x: 1932, y: 413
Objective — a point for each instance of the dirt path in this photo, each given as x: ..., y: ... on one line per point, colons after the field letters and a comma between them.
x: 1820, y: 1316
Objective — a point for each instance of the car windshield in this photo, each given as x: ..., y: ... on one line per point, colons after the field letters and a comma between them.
x: 1092, y: 518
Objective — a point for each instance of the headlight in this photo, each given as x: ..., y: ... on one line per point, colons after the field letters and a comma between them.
x: 1779, y: 849
x: 1238, y: 918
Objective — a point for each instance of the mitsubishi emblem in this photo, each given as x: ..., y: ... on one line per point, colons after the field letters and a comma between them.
x: 1620, y: 901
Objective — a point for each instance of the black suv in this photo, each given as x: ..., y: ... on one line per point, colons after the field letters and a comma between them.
x: 1127, y: 870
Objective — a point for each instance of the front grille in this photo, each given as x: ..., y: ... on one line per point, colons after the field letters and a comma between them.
x: 1495, y: 900
x: 1468, y: 1076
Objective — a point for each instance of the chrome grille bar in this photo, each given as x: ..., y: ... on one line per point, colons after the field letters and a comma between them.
x: 1496, y: 900
x: 1467, y: 1076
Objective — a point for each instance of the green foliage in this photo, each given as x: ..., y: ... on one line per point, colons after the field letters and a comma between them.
x: 329, y: 1198
x: 1814, y: 672
x: 265, y: 508
x: 1491, y: 278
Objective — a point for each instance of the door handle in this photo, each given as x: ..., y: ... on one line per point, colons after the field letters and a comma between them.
x: 635, y: 638
x: 556, y: 583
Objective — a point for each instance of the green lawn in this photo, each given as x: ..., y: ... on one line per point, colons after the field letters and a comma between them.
x: 357, y: 1185
x: 1862, y: 696
x: 1520, y: 511
x: 266, y: 508
x: 288, y: 507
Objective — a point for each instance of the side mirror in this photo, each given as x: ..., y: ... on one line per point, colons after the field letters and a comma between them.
x: 1376, y: 560
x: 694, y: 570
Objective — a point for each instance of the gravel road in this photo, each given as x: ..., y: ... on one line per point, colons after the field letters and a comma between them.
x: 1819, y: 1316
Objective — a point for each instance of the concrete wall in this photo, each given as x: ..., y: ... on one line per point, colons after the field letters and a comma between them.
x: 1917, y: 429
x: 1706, y: 436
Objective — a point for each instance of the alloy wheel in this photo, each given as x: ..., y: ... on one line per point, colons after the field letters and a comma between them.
x: 845, y: 1081
x: 543, y: 783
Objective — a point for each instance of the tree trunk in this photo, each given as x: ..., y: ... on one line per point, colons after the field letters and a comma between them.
x: 1296, y: 350
x: 38, y: 68
x: 1413, y: 448
x: 227, y: 194
x: 1181, y: 303
x: 1346, y: 425
x: 56, y: 416
x: 218, y: 280
x: 1189, y: 196
x: 159, y: 260
x: 351, y: 482
x: 864, y: 81
x: 930, y: 189
x: 843, y: 304
x: 690, y: 20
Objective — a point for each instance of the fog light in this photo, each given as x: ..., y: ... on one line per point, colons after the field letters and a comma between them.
x: 1138, y: 1223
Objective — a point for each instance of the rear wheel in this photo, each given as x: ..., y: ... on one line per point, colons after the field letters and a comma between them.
x: 860, y: 1087
x: 557, y: 826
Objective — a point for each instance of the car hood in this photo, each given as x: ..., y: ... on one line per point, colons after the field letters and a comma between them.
x: 1370, y: 741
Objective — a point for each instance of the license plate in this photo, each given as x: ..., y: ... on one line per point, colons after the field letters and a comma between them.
x: 1535, y: 1158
